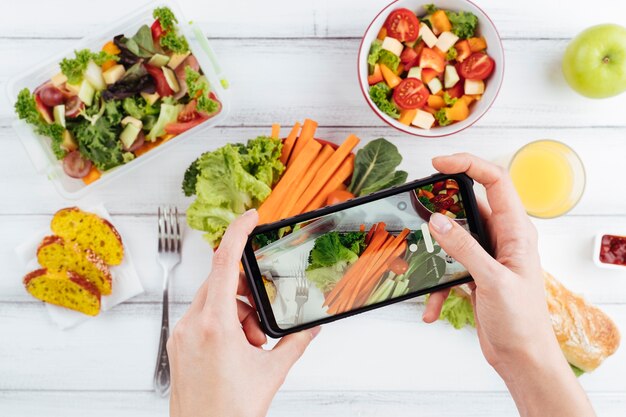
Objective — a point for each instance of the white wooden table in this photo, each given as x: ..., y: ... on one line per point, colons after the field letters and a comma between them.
x: 288, y: 60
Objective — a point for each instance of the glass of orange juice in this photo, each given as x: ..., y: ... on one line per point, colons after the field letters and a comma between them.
x: 549, y: 178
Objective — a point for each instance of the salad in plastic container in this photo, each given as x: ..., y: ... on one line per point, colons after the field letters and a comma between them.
x: 118, y: 98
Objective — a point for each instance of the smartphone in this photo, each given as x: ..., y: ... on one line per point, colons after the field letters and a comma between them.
x: 358, y: 255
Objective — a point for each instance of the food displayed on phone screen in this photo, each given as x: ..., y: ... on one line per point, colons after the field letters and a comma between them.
x: 361, y: 256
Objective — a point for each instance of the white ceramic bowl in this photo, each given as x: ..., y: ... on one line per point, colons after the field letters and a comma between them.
x: 495, y: 50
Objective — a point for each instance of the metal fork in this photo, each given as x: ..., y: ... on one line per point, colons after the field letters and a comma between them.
x: 169, y: 256
x: 302, y: 288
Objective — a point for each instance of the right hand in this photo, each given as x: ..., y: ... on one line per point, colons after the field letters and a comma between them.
x: 512, y: 317
x: 508, y: 295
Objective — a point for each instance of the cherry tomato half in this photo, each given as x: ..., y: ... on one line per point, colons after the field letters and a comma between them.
x: 403, y: 25
x: 157, y: 30
x: 399, y: 266
x: 411, y: 93
x: 339, y: 196
x: 477, y: 67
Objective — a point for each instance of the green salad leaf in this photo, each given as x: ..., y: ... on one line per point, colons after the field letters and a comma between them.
x: 458, y: 311
x: 165, y: 16
x: 451, y: 54
x: 430, y: 8
x: 99, y: 141
x: 389, y: 59
x: 141, y: 44
x: 463, y: 23
x: 442, y: 118
x: 577, y: 371
x: 229, y: 181
x: 375, y: 168
x: 198, y: 85
x: 332, y: 253
x: 74, y: 68
x: 380, y: 94
x: 26, y: 109
x: 372, y: 58
x: 449, y: 100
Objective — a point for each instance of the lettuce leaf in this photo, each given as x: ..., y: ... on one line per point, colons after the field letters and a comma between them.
x: 229, y: 181
x: 380, y: 94
x: 458, y: 311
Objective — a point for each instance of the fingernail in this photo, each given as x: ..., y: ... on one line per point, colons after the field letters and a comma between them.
x: 440, y: 223
x: 249, y: 212
x: 315, y: 331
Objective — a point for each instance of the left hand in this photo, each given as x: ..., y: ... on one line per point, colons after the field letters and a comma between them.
x: 217, y: 363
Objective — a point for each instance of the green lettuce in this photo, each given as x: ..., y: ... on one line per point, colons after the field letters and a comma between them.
x: 378, y: 55
x: 380, y: 94
x: 331, y: 255
x: 463, y: 23
x: 229, y: 181
x: 458, y: 311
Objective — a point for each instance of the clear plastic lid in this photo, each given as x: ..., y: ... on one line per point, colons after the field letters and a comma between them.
x: 38, y: 147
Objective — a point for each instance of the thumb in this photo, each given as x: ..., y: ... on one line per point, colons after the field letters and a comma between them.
x: 459, y: 244
x: 291, y: 347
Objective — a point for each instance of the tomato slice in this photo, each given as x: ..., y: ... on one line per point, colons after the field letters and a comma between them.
x: 477, y: 66
x: 411, y: 93
x: 456, y: 91
x: 177, y: 128
x: 403, y: 25
x: 338, y: 196
x: 399, y: 266
x: 429, y: 58
x: 157, y: 30
x: 75, y: 165
x: 162, y: 87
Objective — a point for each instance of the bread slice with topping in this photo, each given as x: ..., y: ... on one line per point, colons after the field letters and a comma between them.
x: 57, y: 255
x: 89, y: 231
x: 66, y: 289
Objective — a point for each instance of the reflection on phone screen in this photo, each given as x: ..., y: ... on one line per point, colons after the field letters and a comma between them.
x: 364, y: 255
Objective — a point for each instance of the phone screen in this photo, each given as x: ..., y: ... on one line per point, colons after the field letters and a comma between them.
x: 358, y: 257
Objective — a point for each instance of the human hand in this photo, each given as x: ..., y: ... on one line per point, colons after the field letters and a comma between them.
x: 218, y: 365
x: 512, y: 319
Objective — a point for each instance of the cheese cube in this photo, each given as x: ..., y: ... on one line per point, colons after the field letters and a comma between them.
x: 434, y: 85
x: 423, y: 119
x: 393, y: 45
x: 474, y: 87
x: 113, y: 74
x: 415, y: 72
x: 446, y: 41
x: 427, y: 35
x: 450, y: 76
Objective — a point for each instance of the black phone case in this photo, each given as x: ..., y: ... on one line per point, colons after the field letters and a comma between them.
x: 255, y: 281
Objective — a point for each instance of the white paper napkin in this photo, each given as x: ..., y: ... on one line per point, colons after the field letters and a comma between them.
x: 126, y: 282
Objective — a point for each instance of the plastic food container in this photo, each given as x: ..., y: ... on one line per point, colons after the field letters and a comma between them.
x: 598, y: 249
x: 38, y: 147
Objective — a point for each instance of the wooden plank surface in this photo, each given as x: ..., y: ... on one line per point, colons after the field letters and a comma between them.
x: 104, y: 367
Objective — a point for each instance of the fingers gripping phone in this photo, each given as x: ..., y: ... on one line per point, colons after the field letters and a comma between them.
x: 355, y: 256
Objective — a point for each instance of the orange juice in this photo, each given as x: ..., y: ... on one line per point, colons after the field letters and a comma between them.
x: 549, y: 178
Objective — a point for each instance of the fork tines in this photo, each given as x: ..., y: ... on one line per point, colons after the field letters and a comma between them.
x: 169, y: 229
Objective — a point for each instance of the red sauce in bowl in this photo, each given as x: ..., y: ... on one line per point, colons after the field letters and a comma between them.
x: 613, y: 250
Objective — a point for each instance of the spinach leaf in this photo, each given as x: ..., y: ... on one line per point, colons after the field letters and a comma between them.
x: 134, y: 81
x: 141, y: 44
x: 375, y: 167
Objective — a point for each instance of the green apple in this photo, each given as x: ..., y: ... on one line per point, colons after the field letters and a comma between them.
x: 594, y: 63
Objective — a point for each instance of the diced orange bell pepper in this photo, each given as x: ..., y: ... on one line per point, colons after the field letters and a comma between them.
x: 376, y: 77
x: 428, y: 74
x: 440, y: 21
x: 436, y: 102
x: 459, y: 111
x: 407, y: 116
x: 462, y: 50
x: 390, y: 77
x: 382, y: 34
x: 92, y: 176
x: 467, y: 99
x: 112, y: 49
x: 477, y: 44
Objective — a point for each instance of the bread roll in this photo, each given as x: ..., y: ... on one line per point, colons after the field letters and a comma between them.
x: 586, y: 335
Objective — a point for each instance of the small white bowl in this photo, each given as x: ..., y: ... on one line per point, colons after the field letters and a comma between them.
x: 495, y: 50
x: 598, y: 244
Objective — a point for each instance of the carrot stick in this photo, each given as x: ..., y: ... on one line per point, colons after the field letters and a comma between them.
x: 328, y: 171
x: 377, y: 240
x: 368, y: 237
x: 269, y: 209
x: 303, y: 184
x: 362, y: 228
x: 370, y: 279
x: 365, y: 273
x: 276, y: 131
x: 344, y: 172
x: 289, y: 142
x: 307, y: 134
